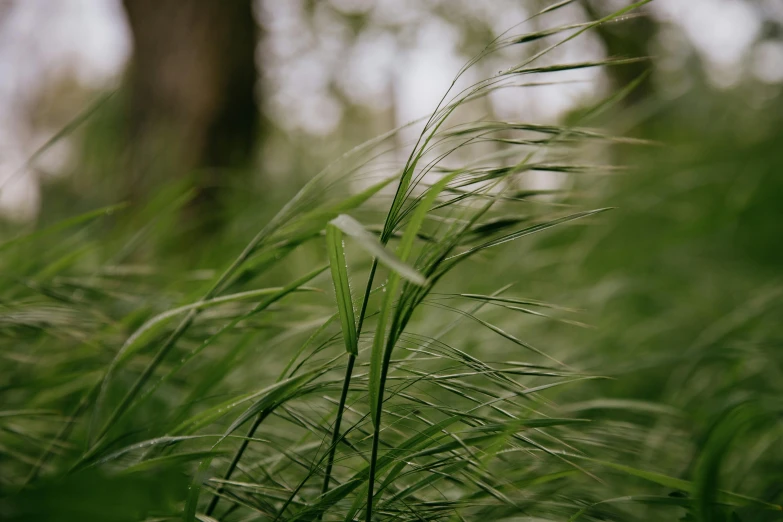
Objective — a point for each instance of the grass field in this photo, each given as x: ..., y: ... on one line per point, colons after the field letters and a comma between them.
x: 425, y: 339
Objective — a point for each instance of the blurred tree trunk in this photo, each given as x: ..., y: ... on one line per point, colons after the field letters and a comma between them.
x: 193, y: 103
x: 628, y: 38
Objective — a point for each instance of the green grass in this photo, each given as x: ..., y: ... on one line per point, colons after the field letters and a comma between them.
x: 368, y: 353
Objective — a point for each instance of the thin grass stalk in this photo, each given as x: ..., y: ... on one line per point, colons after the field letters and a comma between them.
x: 347, y: 384
x: 376, y: 434
x: 240, y: 452
x: 235, y: 461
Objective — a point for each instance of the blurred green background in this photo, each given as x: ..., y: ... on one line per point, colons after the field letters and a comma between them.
x: 206, y: 118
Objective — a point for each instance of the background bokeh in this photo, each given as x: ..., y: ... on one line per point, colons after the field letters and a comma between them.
x: 677, y: 292
x: 332, y: 73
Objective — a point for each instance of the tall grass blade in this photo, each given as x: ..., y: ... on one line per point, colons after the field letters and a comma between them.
x: 367, y: 241
x: 342, y: 289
